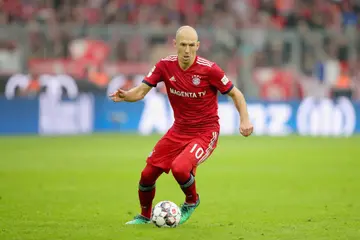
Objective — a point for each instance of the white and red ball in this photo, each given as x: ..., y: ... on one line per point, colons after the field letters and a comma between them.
x: 166, y: 214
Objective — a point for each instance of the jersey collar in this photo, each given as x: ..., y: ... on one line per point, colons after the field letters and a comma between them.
x: 193, y: 64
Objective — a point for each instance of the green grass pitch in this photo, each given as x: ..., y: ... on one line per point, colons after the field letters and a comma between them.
x: 85, y: 187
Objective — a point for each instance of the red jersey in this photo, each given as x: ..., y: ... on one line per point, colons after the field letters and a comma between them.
x: 192, y: 93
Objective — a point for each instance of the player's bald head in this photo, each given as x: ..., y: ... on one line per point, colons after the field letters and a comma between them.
x: 186, y: 32
x: 186, y: 43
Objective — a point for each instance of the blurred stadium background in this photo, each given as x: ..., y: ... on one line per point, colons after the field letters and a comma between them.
x: 297, y: 62
x: 281, y: 50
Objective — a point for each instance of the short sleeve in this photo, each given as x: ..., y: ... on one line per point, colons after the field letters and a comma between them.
x: 219, y: 80
x: 154, y: 76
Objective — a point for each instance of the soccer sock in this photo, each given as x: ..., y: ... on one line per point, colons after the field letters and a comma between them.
x: 183, y: 175
x: 146, y: 196
x: 189, y: 189
x: 147, y: 188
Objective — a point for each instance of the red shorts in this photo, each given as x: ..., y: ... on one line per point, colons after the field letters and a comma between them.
x: 173, y: 145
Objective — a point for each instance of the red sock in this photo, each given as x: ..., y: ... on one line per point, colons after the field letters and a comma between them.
x: 181, y: 171
x: 189, y: 189
x: 187, y: 183
x: 146, y: 198
x: 147, y: 188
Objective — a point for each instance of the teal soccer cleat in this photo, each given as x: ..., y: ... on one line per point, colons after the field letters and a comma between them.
x: 139, y: 219
x: 187, y: 210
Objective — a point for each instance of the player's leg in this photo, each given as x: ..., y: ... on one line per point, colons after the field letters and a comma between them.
x: 158, y: 161
x: 184, y: 167
x: 147, y: 187
x: 182, y: 171
x: 146, y: 192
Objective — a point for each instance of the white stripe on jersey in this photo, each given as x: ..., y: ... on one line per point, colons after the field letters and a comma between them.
x: 170, y: 58
x: 209, y: 149
x: 204, y: 62
x: 200, y: 59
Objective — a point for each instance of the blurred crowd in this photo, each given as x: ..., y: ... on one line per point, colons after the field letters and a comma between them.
x: 324, y: 29
x: 219, y: 15
x: 227, y: 13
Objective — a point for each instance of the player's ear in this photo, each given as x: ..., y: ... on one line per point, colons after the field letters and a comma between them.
x: 197, y: 45
x: 174, y: 42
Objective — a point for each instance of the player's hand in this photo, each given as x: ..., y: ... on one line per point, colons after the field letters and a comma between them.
x: 118, y: 96
x: 246, y: 128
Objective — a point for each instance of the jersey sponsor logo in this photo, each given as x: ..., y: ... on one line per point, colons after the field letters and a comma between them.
x: 188, y: 94
x: 225, y: 80
x: 196, y: 80
x: 183, y: 94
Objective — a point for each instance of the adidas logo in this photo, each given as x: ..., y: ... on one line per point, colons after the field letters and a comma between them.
x: 172, y: 79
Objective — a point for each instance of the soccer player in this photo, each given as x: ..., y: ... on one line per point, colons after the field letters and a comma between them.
x: 192, y: 83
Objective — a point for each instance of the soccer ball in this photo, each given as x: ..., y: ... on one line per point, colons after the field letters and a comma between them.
x: 166, y: 214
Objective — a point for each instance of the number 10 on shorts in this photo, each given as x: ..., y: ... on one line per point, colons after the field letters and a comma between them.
x: 199, y: 152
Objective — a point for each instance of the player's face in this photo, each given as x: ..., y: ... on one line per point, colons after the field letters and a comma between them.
x: 186, y: 50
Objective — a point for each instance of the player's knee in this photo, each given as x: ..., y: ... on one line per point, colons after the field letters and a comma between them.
x: 147, y: 177
x: 182, y: 173
x: 144, y: 176
x: 177, y: 168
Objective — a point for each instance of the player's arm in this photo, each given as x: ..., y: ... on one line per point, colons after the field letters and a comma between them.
x: 135, y: 94
x: 139, y: 92
x: 246, y: 128
x: 225, y: 86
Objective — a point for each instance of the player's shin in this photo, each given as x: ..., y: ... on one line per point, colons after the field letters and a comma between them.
x: 146, y: 197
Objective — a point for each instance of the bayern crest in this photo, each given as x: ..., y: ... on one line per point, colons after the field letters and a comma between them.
x: 196, y: 80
